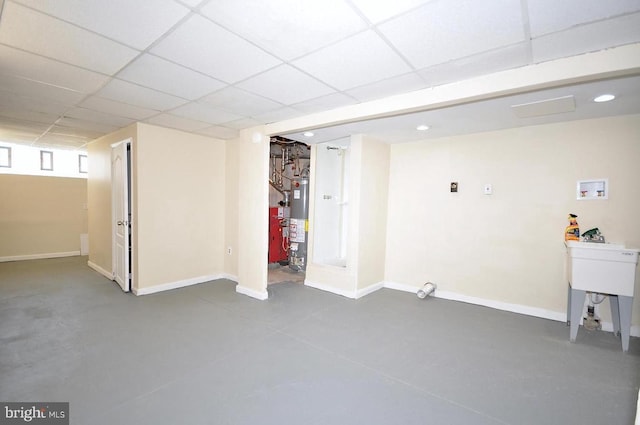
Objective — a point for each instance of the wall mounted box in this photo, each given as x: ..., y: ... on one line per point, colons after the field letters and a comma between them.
x: 592, y: 189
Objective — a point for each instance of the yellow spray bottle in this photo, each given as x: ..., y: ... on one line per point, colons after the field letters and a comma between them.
x: 572, y: 232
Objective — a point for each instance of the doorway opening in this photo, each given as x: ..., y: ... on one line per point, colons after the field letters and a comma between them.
x: 289, y: 173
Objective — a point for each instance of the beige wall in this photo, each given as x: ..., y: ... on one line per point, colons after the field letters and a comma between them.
x: 252, y: 212
x: 99, y: 196
x: 41, y: 215
x: 180, y: 209
x: 508, y: 246
x: 231, y: 209
x: 372, y: 213
x: 178, y: 205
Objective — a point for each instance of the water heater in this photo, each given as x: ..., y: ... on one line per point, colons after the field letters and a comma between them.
x: 298, y: 223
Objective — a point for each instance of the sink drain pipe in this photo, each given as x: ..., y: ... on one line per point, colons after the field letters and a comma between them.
x: 426, y: 290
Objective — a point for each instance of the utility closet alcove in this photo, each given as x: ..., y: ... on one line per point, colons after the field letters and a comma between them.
x: 331, y: 203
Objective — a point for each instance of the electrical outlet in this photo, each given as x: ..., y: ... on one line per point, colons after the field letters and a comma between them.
x: 229, y: 250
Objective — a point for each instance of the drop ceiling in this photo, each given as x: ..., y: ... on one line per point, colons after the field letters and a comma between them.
x: 73, y: 70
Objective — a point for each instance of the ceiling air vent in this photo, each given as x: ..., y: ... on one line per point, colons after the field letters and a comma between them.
x: 545, y: 107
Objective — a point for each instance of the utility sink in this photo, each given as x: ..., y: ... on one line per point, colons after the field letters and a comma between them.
x: 606, y: 268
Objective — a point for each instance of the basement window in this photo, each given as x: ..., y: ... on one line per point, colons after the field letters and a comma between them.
x: 46, y: 160
x: 5, y: 156
x: 83, y: 164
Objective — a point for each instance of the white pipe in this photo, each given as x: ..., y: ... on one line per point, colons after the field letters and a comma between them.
x: 426, y: 290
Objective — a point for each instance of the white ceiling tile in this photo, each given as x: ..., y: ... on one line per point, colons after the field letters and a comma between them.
x: 324, y: 103
x: 75, y: 132
x: 287, y: 28
x: 136, y: 23
x: 204, y: 113
x: 117, y: 108
x: 441, y: 31
x: 286, y: 85
x: 28, y: 65
x: 39, y: 90
x: 278, y: 115
x: 61, y: 141
x: 206, y: 47
x: 547, y: 16
x: 587, y: 38
x: 27, y: 115
x: 100, y: 117
x: 481, y: 64
x: 12, y: 100
x: 24, y: 126
x: 10, y: 135
x: 361, y: 59
x: 160, y: 74
x: 86, y: 125
x: 389, y: 87
x: 38, y: 33
x: 242, y: 123
x: 377, y: 11
x: 133, y: 94
x: 180, y: 123
x: 191, y: 3
x: 219, y: 132
x: 240, y: 102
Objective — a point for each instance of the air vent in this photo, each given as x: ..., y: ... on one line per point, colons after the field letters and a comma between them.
x: 558, y: 105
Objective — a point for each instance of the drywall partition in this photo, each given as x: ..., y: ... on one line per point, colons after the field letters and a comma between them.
x: 180, y: 212
x: 231, y: 210
x: 506, y: 250
x: 367, y: 217
x: 99, y: 199
x: 41, y: 217
x: 372, y: 214
x: 252, y: 217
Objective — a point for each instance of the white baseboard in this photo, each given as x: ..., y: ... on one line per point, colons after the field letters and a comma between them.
x: 401, y: 287
x: 175, y: 285
x: 252, y: 293
x: 39, y: 256
x: 103, y: 272
x: 327, y: 288
x: 369, y: 289
x: 228, y: 276
x: 499, y: 305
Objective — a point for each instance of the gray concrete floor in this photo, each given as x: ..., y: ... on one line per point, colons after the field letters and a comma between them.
x: 206, y: 355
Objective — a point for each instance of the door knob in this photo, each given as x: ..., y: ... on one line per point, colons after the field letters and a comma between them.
x: 120, y: 223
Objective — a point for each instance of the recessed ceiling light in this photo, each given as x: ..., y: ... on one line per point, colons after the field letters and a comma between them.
x: 604, y: 98
x: 422, y: 127
x: 308, y: 134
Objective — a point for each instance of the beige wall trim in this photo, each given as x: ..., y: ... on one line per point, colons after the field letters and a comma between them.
x: 175, y: 285
x: 39, y: 256
x: 103, y: 272
x: 498, y: 305
x: 252, y: 293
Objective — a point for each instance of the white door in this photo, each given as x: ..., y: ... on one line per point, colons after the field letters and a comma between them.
x: 120, y: 214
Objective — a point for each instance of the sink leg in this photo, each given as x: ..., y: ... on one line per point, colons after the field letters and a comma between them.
x: 625, y: 305
x: 577, y: 298
x: 615, y: 314
x: 568, y: 305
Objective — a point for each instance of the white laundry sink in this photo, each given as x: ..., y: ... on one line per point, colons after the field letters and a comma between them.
x: 606, y: 268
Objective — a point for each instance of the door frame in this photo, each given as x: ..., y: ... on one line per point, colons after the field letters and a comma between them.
x: 128, y: 286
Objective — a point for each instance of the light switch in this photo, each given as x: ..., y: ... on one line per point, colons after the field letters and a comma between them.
x: 488, y: 190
